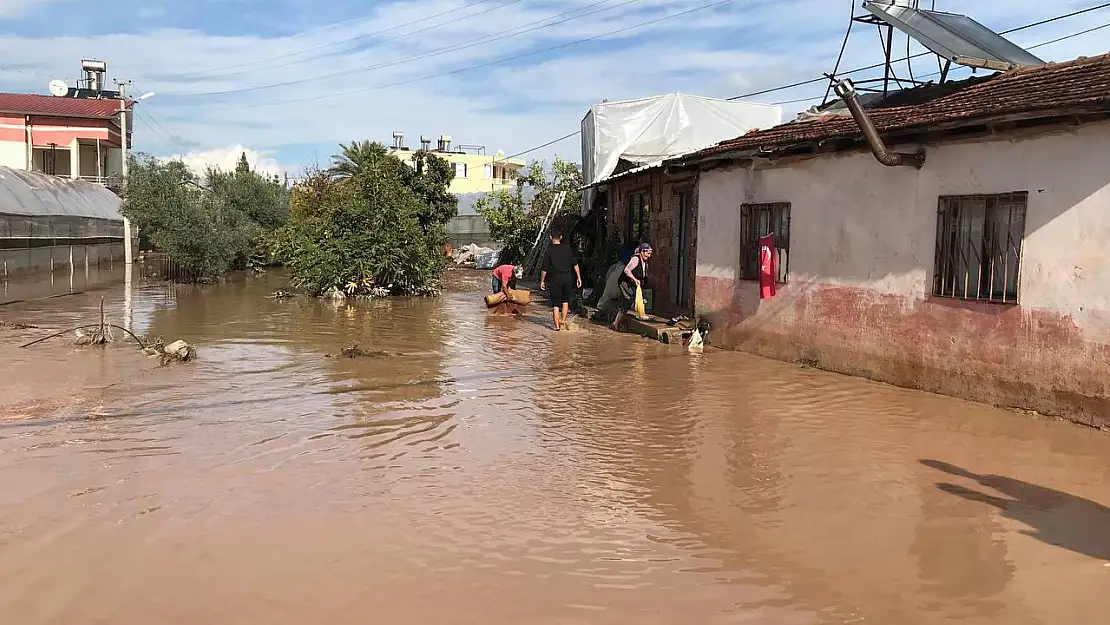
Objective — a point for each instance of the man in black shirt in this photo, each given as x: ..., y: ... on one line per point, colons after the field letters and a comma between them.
x: 560, y: 264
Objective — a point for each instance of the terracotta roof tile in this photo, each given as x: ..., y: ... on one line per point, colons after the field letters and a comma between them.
x: 34, y: 104
x: 1082, y: 83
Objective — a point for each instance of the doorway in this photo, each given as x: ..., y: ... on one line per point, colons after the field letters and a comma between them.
x: 681, y: 294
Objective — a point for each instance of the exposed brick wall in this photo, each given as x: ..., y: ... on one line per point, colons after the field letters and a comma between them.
x: 663, y: 230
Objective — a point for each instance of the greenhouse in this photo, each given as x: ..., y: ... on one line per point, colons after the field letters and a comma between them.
x: 47, y: 222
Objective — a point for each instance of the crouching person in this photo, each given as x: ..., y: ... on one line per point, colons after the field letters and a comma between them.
x: 504, y: 278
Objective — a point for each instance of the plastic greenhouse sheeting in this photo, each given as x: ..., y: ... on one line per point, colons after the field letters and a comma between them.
x: 39, y: 195
x: 648, y: 130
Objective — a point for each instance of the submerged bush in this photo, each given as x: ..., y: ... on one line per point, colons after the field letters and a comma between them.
x: 369, y: 225
x: 207, y: 226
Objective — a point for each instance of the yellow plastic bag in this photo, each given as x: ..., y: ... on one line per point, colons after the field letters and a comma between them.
x: 638, y: 304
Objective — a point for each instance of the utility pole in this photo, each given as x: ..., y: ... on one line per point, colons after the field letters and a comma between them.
x: 122, y: 86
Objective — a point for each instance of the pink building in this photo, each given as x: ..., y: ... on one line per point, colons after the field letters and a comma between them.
x: 62, y: 136
x: 982, y: 274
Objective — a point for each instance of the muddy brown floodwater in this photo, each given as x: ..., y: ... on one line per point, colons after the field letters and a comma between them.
x: 490, y: 471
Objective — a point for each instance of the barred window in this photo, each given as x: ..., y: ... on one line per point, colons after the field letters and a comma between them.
x: 757, y: 220
x: 638, y: 216
x: 979, y: 246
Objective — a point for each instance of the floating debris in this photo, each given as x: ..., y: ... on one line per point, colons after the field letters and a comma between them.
x: 354, y: 351
x: 100, y: 335
x: 177, y: 351
x: 16, y: 325
x: 279, y: 294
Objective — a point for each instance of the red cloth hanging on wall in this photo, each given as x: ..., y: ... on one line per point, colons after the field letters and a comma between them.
x: 767, y: 262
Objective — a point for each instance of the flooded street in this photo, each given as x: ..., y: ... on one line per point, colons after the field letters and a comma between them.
x: 490, y: 471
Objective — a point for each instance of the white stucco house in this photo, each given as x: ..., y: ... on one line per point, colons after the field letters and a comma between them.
x: 977, y: 266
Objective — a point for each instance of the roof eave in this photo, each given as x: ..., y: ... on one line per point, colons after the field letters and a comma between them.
x: 66, y: 115
x: 893, y: 134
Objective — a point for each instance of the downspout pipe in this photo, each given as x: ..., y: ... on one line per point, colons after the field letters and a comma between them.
x: 847, y: 91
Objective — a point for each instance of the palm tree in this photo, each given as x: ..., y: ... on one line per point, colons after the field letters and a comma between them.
x: 356, y: 158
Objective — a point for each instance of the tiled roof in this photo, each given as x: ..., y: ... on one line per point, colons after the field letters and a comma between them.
x: 33, y: 104
x: 1080, y: 84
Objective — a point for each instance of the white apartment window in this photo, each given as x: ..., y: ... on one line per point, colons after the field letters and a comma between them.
x: 460, y: 170
x: 488, y: 172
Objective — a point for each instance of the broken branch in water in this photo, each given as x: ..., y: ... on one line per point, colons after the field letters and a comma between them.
x: 100, y: 336
x: 86, y: 327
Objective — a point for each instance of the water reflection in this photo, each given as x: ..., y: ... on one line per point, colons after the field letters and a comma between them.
x: 490, y: 470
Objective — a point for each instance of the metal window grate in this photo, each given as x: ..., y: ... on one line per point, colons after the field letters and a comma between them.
x: 639, y: 217
x: 757, y: 220
x: 978, y: 253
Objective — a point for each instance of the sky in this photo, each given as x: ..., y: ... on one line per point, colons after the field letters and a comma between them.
x: 287, y: 81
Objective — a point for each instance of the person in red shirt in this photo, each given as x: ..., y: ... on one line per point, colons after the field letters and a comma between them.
x: 504, y: 278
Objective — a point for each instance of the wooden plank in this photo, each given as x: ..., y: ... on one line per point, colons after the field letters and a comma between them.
x: 656, y: 328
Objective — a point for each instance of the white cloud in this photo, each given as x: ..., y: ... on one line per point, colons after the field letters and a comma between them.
x: 227, y: 158
x: 739, y: 47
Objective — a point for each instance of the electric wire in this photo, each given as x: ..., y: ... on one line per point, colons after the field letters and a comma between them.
x: 811, y: 98
x: 470, y: 68
x: 746, y: 95
x: 330, y: 45
x: 920, y: 54
x: 535, y: 25
x: 373, y: 44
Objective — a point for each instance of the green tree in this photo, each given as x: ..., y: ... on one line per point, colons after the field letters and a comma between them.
x: 429, y: 176
x: 357, y: 157
x: 515, y: 215
x: 242, y: 167
x: 370, y: 224
x: 207, y: 226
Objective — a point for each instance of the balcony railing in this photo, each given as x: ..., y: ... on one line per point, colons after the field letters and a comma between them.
x: 111, y: 180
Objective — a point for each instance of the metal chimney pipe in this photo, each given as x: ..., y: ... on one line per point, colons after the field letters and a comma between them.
x: 847, y: 91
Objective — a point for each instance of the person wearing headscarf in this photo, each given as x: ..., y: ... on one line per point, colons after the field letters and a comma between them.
x: 635, y: 272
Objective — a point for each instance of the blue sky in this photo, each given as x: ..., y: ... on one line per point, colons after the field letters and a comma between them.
x: 411, y: 66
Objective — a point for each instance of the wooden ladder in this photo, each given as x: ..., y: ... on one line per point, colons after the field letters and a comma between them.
x: 531, y: 261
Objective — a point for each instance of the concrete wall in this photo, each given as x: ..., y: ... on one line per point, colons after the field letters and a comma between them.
x: 466, y: 229
x: 44, y: 259
x: 663, y: 231
x: 859, y: 298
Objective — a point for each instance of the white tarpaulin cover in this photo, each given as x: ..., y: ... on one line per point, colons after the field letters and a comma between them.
x: 651, y: 129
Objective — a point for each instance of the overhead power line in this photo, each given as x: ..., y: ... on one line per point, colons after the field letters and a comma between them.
x: 335, y: 44
x: 761, y: 92
x: 798, y: 100
x: 471, y: 68
x: 536, y: 25
x: 1032, y: 47
x: 373, y: 44
x: 918, y: 55
x: 543, y: 145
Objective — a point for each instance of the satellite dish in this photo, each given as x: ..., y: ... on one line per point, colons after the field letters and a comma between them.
x: 58, y: 87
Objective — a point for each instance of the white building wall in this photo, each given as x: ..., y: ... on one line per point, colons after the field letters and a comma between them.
x: 855, y: 222
x: 861, y: 228
x: 13, y: 154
